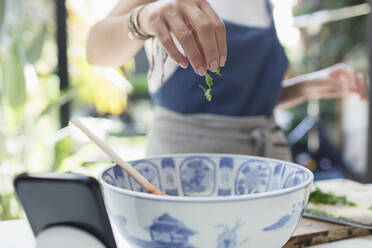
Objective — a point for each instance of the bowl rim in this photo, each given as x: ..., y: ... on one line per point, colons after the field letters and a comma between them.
x: 206, y: 199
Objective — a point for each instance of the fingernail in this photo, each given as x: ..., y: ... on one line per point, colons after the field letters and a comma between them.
x: 214, y: 66
x: 200, y: 70
x: 222, y: 61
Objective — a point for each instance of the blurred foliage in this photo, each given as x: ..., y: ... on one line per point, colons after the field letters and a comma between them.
x: 341, y: 41
x: 140, y: 86
x: 306, y: 7
x: 62, y: 150
x: 6, y: 212
x: 30, y: 98
x: 105, y: 88
x: 2, y: 13
x: 94, y: 89
x: 35, y: 47
x: 333, y: 43
x: 13, y: 85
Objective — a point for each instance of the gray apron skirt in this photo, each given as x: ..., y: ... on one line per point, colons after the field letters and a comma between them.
x: 172, y: 132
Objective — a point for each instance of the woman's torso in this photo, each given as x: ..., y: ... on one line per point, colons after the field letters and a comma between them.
x: 251, y: 79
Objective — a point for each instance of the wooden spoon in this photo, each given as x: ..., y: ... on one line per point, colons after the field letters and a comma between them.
x: 117, y: 159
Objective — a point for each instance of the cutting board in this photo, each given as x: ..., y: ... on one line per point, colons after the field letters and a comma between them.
x: 312, y: 232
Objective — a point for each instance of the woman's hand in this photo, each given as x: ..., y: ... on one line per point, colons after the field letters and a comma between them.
x: 196, y: 26
x: 334, y: 82
x: 337, y: 81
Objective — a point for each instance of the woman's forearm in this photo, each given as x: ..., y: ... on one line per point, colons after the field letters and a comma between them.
x: 193, y: 24
x: 297, y: 90
x: 294, y: 91
x: 292, y: 96
x: 336, y: 81
x: 108, y: 43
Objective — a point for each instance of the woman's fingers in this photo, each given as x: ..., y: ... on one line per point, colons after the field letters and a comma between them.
x: 187, y: 40
x: 197, y: 27
x: 349, y: 81
x: 344, y: 77
x: 334, y: 90
x: 165, y: 38
x: 338, y: 81
x: 205, y: 28
x: 359, y: 86
x: 362, y: 86
x: 220, y: 31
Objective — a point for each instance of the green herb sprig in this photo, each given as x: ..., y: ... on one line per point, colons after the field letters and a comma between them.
x: 209, y: 83
x: 318, y: 196
x: 322, y: 213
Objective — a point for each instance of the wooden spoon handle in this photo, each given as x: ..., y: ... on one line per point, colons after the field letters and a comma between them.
x: 117, y: 159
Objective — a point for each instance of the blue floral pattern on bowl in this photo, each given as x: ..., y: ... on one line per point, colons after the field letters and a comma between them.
x: 252, y: 177
x: 232, y: 201
x: 150, y: 171
x: 200, y: 176
x: 288, y: 220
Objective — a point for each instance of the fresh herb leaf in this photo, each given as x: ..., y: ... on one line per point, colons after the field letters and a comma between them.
x: 219, y: 72
x: 318, y: 196
x: 201, y: 86
x: 322, y: 213
x: 343, y: 218
x: 208, y: 80
x: 207, y: 93
x: 316, y: 212
x: 209, y: 83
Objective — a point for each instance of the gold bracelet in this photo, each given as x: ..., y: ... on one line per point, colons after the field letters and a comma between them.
x: 137, y: 23
x: 134, y: 26
x: 133, y: 33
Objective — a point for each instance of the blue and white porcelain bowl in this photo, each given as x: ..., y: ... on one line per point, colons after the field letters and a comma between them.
x: 232, y: 201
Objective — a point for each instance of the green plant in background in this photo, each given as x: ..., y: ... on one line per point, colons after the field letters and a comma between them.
x: 28, y: 102
x: 95, y: 89
x: 341, y: 41
x: 336, y: 41
x: 14, y: 85
x: 30, y: 135
x: 62, y: 150
x: 104, y: 88
x: 2, y: 13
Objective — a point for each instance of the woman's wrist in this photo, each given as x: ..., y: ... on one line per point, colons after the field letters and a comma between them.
x: 135, y: 30
x: 310, y: 88
x: 143, y: 20
x: 293, y: 95
x: 137, y: 21
x: 191, y: 24
x: 305, y: 85
x: 303, y: 89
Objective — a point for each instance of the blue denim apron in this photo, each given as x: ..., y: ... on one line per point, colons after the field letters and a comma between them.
x: 251, y: 79
x: 239, y: 117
